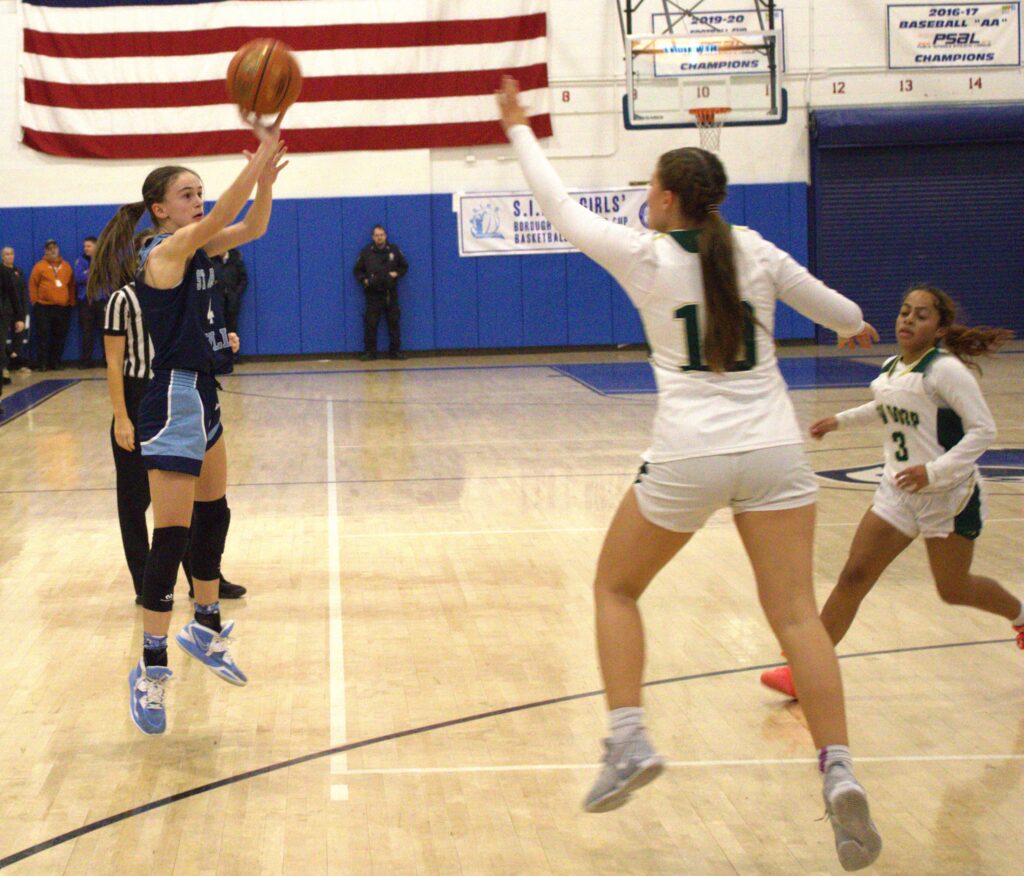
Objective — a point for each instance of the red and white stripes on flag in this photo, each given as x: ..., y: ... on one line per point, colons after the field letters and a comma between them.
x: 145, y: 78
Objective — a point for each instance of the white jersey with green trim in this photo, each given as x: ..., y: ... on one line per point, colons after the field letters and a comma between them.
x: 933, y: 414
x: 700, y: 412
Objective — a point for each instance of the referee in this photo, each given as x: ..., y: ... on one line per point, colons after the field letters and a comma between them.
x: 129, y: 353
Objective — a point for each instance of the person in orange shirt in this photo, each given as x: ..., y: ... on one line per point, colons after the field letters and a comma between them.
x: 51, y: 286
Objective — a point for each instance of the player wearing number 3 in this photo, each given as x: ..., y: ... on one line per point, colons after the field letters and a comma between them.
x: 936, y: 426
x: 725, y: 434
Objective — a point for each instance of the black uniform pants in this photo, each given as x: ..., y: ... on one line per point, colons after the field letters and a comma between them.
x: 90, y: 319
x: 386, y: 302
x: 3, y: 348
x: 133, y: 491
x: 51, y: 323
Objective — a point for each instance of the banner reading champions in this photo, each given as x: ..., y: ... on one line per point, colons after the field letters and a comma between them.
x: 954, y: 35
x: 511, y: 223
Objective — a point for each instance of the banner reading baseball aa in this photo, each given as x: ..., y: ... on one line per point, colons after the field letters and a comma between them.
x: 511, y: 223
x: 954, y: 35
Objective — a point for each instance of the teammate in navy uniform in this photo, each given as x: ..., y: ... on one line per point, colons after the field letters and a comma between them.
x: 179, y: 427
x: 936, y: 426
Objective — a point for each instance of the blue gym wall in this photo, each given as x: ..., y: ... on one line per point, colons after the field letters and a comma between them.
x: 303, y: 298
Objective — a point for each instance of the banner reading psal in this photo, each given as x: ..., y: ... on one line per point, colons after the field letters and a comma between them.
x: 511, y: 223
x: 928, y: 35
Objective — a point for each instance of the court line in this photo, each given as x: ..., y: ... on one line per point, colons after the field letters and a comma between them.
x: 442, y: 533
x: 24, y: 400
x: 60, y: 839
x: 681, y: 764
x: 336, y: 639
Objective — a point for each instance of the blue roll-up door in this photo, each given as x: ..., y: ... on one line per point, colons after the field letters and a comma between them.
x: 934, y: 194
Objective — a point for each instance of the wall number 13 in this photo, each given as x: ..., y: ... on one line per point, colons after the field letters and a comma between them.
x: 691, y: 328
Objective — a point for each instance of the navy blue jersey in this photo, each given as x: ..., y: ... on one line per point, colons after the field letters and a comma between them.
x: 181, y: 321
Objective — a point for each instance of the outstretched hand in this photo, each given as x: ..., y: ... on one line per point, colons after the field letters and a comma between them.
x: 511, y: 110
x: 864, y: 338
x: 268, y: 135
x: 274, y: 165
x: 820, y: 428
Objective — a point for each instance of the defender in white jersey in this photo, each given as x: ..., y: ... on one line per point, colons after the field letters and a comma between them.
x: 725, y: 434
x: 936, y: 425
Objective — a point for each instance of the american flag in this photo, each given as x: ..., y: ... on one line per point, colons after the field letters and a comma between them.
x: 133, y: 79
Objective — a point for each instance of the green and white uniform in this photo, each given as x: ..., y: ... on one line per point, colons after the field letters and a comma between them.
x: 702, y: 414
x: 934, y: 415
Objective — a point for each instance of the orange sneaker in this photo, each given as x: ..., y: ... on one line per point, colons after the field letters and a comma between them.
x: 1020, y: 636
x: 780, y: 679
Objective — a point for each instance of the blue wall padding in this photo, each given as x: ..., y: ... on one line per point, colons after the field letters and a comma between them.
x: 304, y: 299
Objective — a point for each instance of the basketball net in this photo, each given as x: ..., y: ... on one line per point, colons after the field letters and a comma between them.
x: 709, y: 125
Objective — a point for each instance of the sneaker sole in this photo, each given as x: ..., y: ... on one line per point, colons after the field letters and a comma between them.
x: 850, y: 810
x: 620, y: 795
x: 230, y: 680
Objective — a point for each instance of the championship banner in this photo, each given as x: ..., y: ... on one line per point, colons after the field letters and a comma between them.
x: 949, y: 35
x: 511, y: 223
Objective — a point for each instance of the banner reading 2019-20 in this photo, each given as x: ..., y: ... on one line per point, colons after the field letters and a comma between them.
x: 511, y: 223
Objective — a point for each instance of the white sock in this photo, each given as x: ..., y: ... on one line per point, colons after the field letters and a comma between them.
x: 624, y: 722
x: 1020, y: 617
x: 831, y: 755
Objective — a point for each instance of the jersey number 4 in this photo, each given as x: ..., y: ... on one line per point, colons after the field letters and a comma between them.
x: 691, y: 329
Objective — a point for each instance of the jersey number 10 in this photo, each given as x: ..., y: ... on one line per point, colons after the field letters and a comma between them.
x: 691, y: 328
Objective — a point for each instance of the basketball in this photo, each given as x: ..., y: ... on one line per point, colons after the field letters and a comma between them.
x: 264, y: 77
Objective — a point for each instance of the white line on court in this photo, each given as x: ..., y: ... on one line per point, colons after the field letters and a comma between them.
x: 441, y: 533
x: 336, y: 641
x: 684, y: 764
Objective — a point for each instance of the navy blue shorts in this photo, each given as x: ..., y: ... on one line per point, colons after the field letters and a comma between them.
x: 179, y: 420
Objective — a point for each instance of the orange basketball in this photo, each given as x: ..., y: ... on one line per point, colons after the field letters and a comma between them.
x: 264, y: 77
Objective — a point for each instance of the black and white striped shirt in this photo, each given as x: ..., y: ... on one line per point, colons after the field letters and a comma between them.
x: 123, y: 317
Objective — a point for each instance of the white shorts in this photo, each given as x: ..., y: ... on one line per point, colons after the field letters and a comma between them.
x: 682, y: 494
x: 960, y: 509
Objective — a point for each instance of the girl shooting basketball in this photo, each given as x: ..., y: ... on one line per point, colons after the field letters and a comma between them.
x: 937, y: 425
x: 725, y: 434
x: 179, y: 427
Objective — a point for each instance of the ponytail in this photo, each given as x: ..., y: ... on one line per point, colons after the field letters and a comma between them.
x: 698, y: 179
x: 969, y: 342
x: 723, y: 333
x: 116, y: 258
x: 964, y: 342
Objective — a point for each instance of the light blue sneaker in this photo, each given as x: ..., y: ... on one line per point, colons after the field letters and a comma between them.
x: 211, y: 649
x: 147, y: 686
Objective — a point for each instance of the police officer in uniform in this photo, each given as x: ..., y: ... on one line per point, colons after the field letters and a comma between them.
x: 378, y: 268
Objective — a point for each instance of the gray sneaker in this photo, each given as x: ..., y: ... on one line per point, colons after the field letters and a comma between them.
x: 846, y: 806
x: 627, y: 766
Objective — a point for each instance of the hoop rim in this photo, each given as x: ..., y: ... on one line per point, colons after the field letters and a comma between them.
x: 708, y: 114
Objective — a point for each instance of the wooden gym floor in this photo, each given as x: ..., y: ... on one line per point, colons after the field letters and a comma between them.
x: 418, y: 540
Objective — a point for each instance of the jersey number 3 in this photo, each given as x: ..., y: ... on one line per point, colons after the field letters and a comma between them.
x: 691, y: 328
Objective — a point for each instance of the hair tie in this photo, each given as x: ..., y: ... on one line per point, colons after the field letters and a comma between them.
x: 712, y: 208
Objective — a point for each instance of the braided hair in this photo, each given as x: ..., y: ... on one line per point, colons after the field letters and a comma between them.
x: 698, y: 179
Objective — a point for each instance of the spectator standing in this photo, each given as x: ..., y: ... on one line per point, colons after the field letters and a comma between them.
x: 90, y: 313
x: 51, y: 287
x: 17, y: 340
x: 232, y: 280
x: 11, y: 312
x: 378, y: 268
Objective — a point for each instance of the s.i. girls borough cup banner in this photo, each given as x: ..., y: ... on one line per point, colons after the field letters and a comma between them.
x: 954, y: 35
x: 511, y: 223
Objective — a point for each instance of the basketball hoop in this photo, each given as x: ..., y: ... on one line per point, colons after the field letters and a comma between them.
x: 709, y: 124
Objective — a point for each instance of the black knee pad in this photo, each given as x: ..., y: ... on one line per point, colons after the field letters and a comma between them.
x: 210, y: 521
x: 169, y: 543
